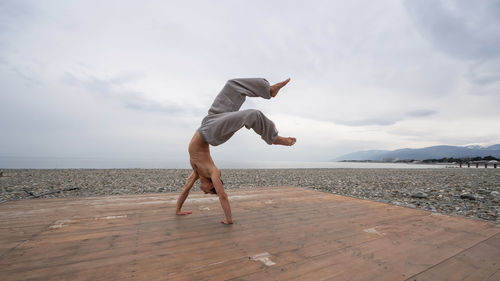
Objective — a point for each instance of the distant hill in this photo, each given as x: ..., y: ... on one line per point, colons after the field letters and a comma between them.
x: 432, y: 152
x: 494, y: 147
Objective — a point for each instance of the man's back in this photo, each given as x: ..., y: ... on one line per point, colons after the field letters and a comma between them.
x: 199, y: 156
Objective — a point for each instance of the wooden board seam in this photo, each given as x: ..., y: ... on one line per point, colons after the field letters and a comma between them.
x: 26, y: 240
x: 450, y: 257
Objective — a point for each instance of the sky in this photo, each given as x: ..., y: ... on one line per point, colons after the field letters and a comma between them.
x: 84, y: 83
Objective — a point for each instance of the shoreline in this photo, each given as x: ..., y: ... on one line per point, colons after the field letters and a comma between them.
x: 228, y: 165
x: 464, y: 192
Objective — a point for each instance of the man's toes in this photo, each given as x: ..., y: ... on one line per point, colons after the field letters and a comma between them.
x: 284, y: 82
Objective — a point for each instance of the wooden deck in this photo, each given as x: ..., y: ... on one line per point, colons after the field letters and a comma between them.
x: 284, y: 233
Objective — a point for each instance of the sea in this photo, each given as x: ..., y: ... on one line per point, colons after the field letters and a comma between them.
x: 101, y: 163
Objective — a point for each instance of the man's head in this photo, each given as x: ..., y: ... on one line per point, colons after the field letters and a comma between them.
x: 207, y: 186
x: 213, y: 191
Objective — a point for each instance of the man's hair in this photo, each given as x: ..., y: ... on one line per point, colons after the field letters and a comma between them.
x: 213, y: 188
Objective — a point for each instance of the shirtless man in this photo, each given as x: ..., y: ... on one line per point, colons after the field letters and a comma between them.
x: 223, y: 120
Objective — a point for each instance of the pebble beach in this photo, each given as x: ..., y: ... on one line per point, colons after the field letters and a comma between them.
x: 466, y: 192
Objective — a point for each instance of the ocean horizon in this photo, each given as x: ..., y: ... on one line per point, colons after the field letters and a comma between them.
x: 104, y: 163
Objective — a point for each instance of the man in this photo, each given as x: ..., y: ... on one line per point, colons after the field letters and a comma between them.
x: 222, y: 121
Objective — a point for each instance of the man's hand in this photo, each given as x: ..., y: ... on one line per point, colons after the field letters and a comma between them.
x: 224, y: 221
x: 184, y: 194
x: 223, y: 198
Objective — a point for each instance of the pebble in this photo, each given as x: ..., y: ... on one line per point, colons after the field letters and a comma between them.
x: 420, y: 194
x: 482, y: 191
x: 447, y: 191
x: 467, y: 196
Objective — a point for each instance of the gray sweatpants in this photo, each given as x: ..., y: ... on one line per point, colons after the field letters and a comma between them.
x: 224, y: 117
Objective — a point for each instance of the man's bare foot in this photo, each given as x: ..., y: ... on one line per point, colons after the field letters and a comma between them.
x: 285, y: 141
x: 225, y: 221
x: 276, y: 87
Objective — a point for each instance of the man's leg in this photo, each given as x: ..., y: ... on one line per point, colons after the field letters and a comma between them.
x: 224, y: 119
x: 234, y: 93
x: 229, y: 123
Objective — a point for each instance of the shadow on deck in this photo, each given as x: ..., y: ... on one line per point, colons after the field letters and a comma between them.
x: 280, y: 233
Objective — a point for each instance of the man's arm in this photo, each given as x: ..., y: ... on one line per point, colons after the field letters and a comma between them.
x: 185, y: 192
x: 224, y: 201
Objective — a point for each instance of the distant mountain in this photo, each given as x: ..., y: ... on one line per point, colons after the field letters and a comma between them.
x: 432, y: 152
x: 494, y: 147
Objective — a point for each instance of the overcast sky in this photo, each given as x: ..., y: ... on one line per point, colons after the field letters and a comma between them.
x: 122, y: 80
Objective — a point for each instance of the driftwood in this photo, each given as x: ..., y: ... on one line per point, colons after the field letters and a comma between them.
x: 48, y: 193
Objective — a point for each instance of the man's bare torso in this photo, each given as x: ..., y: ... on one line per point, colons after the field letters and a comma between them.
x: 199, y: 157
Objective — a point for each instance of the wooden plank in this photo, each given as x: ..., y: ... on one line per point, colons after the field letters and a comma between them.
x: 378, y: 258
x: 308, y: 235
x: 480, y: 262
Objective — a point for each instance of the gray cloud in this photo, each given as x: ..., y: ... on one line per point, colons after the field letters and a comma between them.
x: 114, y: 89
x: 484, y: 72
x: 27, y: 77
x: 387, y: 119
x: 465, y: 29
x: 14, y: 17
x: 369, y: 122
x: 421, y: 113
